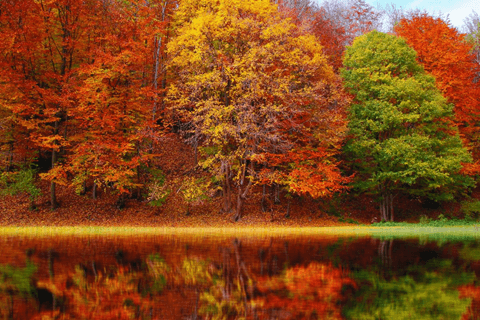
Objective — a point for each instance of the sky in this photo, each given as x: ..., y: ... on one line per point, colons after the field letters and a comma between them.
x: 456, y: 9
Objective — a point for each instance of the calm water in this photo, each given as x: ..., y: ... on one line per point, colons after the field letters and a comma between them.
x: 291, y: 277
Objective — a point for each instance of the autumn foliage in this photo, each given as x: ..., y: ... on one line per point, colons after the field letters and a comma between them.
x: 316, y: 289
x: 252, y: 85
x: 91, y: 91
x: 80, y: 83
x: 448, y: 56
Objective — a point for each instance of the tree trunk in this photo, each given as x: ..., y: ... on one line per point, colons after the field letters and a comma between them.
x: 84, y: 188
x: 238, y: 211
x: 287, y: 215
x: 386, y: 206
x: 226, y: 188
x: 120, y: 203
x: 262, y: 203
x: 94, y: 190
x: 32, y: 205
x: 10, y: 154
x: 155, y: 77
x: 391, y: 207
x: 385, y: 253
x: 53, y: 198
x: 243, y: 194
x: 276, y: 193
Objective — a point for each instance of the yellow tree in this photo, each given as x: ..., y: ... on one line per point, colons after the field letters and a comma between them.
x: 250, y: 83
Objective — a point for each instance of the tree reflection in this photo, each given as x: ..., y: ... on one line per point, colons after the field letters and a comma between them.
x: 14, y: 282
x: 312, y: 291
x: 428, y: 291
x: 385, y: 252
x: 238, y: 280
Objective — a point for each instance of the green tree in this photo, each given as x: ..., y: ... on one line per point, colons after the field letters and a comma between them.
x: 402, y: 135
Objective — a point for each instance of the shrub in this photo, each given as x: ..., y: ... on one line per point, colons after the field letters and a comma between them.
x: 471, y: 210
x: 23, y: 181
x: 157, y: 189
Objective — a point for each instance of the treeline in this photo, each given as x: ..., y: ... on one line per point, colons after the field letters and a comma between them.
x: 306, y: 98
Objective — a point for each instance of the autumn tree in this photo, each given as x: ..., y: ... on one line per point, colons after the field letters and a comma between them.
x: 403, y: 138
x: 83, y: 81
x: 445, y: 53
x: 356, y: 17
x: 332, y: 36
x: 38, y: 59
x: 120, y: 94
x: 472, y: 29
x: 472, y: 24
x: 249, y: 83
x: 392, y: 15
x: 300, y: 11
x: 337, y: 23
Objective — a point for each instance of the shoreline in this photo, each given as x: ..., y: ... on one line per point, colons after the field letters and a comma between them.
x: 467, y: 231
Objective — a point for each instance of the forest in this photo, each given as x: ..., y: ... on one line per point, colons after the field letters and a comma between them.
x: 278, y: 99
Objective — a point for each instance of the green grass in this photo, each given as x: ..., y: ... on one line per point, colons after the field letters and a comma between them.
x: 431, y: 223
x: 384, y: 231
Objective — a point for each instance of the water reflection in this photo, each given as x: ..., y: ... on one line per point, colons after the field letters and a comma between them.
x: 180, y: 277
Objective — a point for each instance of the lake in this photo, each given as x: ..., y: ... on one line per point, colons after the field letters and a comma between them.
x: 244, y: 276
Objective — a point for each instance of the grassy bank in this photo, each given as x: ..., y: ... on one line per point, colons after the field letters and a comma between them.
x: 402, y: 230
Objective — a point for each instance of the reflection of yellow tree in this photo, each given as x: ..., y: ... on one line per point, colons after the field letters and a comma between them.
x: 218, y: 304
x: 198, y: 272
x: 222, y: 298
x: 300, y: 292
x: 305, y: 291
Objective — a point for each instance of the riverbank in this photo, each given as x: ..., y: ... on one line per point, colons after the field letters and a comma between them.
x: 446, y: 233
x: 297, y: 212
x: 175, y: 159
x: 75, y: 210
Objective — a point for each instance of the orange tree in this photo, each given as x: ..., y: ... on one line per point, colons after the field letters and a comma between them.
x: 112, y: 99
x: 119, y: 93
x: 332, y: 36
x: 249, y: 84
x: 82, y: 82
x: 37, y: 63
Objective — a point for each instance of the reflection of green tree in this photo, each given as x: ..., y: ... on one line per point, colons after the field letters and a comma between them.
x: 158, y: 271
x: 15, y: 281
x: 421, y: 294
x: 470, y: 252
